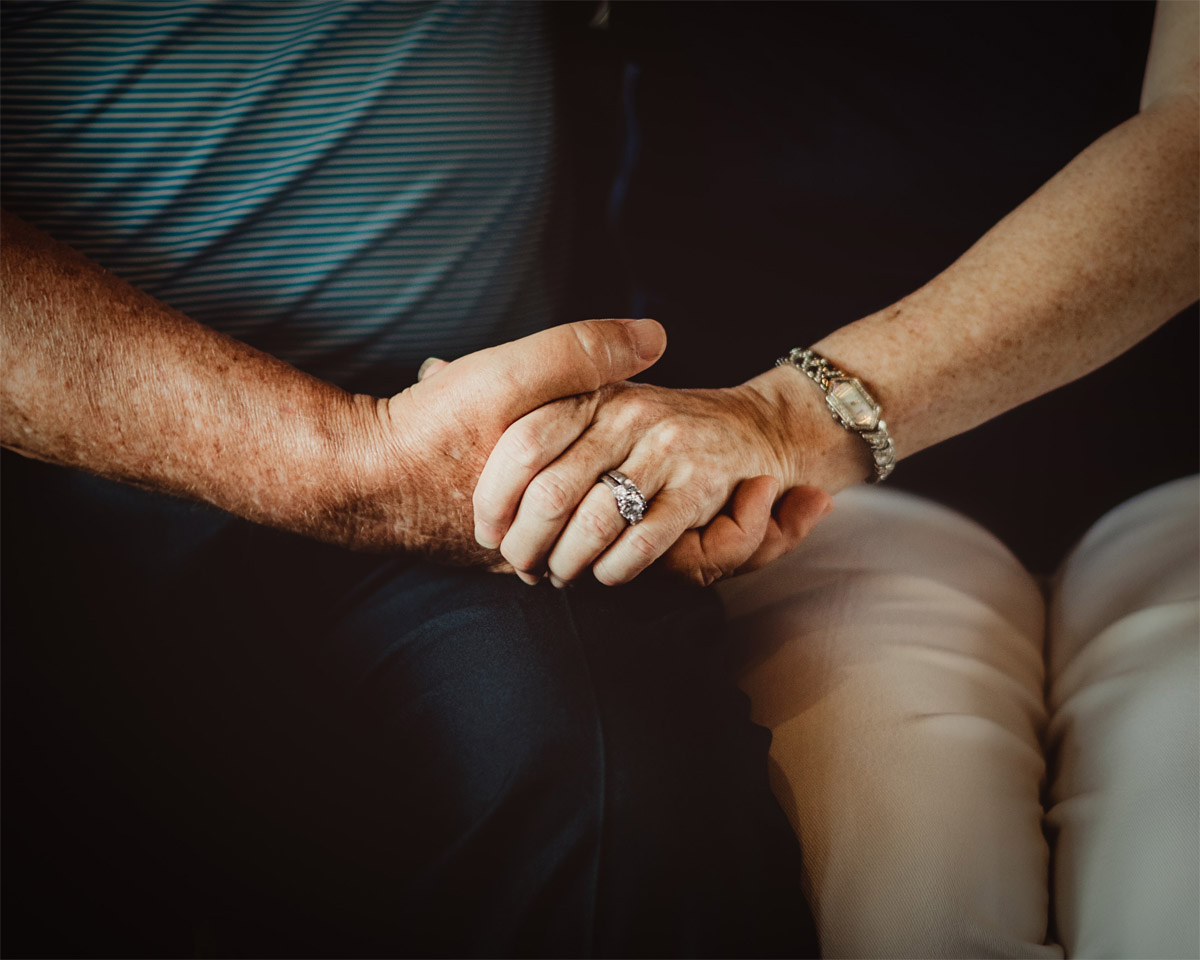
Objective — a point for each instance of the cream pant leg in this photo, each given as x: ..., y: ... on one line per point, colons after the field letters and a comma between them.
x: 898, y: 659
x: 1124, y: 735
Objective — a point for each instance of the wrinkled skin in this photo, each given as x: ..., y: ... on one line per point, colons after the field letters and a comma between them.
x: 693, y: 453
x: 411, y: 480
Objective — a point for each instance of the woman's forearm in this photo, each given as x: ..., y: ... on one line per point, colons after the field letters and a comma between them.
x: 1093, y: 262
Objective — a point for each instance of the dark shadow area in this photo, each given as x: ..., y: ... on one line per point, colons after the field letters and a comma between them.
x: 753, y: 176
x: 785, y: 168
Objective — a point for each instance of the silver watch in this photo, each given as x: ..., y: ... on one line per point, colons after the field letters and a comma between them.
x: 851, y: 405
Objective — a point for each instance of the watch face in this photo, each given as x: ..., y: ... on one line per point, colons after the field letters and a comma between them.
x: 849, y: 400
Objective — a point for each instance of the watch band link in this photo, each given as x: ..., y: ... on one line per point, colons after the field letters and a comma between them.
x: 850, y: 404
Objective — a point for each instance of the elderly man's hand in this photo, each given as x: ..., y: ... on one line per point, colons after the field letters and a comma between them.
x: 410, y: 482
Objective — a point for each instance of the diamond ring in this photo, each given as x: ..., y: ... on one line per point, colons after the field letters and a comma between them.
x: 630, y: 502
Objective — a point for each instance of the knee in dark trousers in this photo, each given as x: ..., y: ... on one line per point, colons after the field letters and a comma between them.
x: 562, y: 772
x: 354, y: 756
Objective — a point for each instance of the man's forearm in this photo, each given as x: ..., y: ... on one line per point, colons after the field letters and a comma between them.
x: 98, y: 375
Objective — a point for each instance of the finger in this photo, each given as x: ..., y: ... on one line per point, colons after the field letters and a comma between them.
x: 730, y: 540
x: 593, y: 527
x: 521, y: 454
x: 553, y: 497
x: 673, y: 511
x: 800, y: 510
x: 431, y: 366
x: 564, y: 360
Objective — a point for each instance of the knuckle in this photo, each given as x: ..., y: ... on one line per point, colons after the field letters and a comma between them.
x: 689, y: 500
x: 524, y: 446
x: 488, y: 505
x: 703, y: 574
x: 723, y: 568
x: 596, y: 348
x: 702, y: 489
x: 644, y: 545
x: 481, y: 504
x: 710, y: 574
x: 672, y: 433
x: 547, y: 497
x: 638, y: 411
x: 489, y: 498
x: 709, y: 569
x: 594, y: 525
x: 521, y: 558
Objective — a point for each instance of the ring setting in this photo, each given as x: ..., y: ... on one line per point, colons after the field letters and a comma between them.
x: 630, y: 502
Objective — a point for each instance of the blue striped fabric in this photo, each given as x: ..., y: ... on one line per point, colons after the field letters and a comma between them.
x: 350, y: 186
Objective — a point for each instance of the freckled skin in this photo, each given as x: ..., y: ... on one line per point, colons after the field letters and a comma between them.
x: 100, y: 376
x: 1094, y: 261
x: 97, y: 375
x: 1099, y: 257
x: 690, y: 451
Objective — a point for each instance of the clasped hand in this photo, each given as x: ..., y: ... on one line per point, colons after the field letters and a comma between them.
x: 711, y: 462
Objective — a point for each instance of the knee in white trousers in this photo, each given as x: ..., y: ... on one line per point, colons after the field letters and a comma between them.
x: 954, y: 796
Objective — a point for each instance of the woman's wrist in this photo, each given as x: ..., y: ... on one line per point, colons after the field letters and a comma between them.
x: 815, y: 449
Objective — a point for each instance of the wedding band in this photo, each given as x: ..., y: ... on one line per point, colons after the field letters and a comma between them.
x: 630, y: 502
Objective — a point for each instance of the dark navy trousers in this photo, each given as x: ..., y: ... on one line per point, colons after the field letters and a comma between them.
x: 224, y: 740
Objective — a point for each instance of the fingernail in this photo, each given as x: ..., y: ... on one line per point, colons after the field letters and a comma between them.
x: 557, y: 583
x: 424, y: 368
x: 487, y: 535
x: 649, y: 339
x: 828, y: 507
x: 528, y: 578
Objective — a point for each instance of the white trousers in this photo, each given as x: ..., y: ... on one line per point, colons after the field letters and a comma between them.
x: 973, y: 771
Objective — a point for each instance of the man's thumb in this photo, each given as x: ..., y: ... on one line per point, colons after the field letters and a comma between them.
x: 649, y: 339
x: 569, y: 359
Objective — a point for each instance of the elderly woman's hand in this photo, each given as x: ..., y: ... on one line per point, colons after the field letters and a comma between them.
x: 691, y: 453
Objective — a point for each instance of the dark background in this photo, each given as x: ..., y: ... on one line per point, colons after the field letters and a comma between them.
x: 755, y: 175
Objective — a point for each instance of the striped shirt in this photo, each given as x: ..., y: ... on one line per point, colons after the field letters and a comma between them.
x: 351, y: 186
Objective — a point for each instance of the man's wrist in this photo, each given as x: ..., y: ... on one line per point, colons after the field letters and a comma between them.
x: 396, y: 488
x: 361, y: 478
x: 302, y: 481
